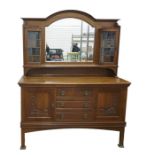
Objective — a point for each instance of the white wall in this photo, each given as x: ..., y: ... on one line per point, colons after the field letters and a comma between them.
x: 59, y: 34
x: 136, y: 63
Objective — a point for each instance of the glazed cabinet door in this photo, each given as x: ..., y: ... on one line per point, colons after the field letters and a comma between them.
x: 33, y: 45
x: 109, y: 44
x: 111, y: 104
x: 37, y: 104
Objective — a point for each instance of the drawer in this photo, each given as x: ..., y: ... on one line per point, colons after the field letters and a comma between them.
x: 74, y: 116
x: 74, y: 98
x: 74, y: 104
x: 73, y: 92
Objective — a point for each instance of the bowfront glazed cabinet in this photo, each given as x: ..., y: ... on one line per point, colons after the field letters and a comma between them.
x: 70, y: 74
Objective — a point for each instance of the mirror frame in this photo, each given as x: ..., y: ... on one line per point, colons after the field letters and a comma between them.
x: 65, y: 58
x: 74, y: 15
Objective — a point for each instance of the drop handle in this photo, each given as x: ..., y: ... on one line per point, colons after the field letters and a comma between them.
x: 86, y: 93
x: 61, y: 116
x: 62, y: 93
x: 85, y: 105
x: 52, y: 104
x: 61, y: 104
x: 85, y: 116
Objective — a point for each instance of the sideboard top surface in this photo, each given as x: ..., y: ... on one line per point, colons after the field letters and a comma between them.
x: 25, y: 80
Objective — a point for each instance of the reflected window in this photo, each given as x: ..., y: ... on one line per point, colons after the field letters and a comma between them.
x: 69, y: 40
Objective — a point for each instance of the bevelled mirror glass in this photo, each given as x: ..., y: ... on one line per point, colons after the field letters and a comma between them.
x: 69, y: 40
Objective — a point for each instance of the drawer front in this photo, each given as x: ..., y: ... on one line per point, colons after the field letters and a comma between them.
x: 74, y: 92
x: 74, y: 104
x: 74, y: 98
x: 74, y: 116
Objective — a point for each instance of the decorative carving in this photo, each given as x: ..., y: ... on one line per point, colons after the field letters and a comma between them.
x: 35, y: 110
x: 110, y: 110
x: 108, y: 103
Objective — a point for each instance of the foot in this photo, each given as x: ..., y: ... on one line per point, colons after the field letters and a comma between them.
x: 23, y: 147
x: 121, y: 145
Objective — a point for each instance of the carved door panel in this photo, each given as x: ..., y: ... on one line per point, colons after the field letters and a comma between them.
x: 109, y: 104
x: 38, y: 104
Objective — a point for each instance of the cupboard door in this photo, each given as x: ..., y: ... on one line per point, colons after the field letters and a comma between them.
x: 109, y: 104
x: 109, y: 46
x: 38, y: 104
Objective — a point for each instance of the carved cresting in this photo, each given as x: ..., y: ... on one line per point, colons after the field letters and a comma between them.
x: 37, y: 107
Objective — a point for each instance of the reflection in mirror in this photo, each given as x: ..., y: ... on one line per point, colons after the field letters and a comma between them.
x: 69, y: 40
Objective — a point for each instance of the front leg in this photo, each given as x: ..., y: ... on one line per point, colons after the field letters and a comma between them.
x: 23, y: 147
x: 121, y: 137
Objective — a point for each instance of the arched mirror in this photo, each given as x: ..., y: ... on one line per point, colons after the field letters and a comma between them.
x: 69, y: 40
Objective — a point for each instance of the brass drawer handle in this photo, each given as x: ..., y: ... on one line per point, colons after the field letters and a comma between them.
x: 52, y: 105
x: 61, y: 116
x: 85, y: 105
x: 62, y: 93
x: 61, y: 104
x: 85, y: 116
x: 86, y: 93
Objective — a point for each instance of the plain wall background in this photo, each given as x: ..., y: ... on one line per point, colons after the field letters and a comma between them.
x: 136, y: 64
